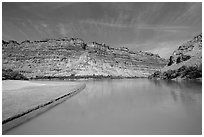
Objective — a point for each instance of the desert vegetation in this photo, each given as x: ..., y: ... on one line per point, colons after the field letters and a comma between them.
x: 184, y: 63
x: 8, y: 74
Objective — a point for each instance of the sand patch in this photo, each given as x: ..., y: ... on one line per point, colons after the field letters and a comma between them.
x: 17, y: 84
x: 19, y: 96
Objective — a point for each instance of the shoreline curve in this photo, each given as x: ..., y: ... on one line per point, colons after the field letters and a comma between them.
x: 20, y: 118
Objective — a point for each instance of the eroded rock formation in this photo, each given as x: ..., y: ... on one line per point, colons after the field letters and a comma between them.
x: 184, y: 63
x: 72, y: 57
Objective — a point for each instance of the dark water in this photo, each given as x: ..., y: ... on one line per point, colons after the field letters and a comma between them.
x: 131, y: 106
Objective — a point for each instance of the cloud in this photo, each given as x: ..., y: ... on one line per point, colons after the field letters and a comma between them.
x: 192, y: 15
x: 163, y: 52
x: 43, y: 6
x: 44, y: 25
x: 119, y: 24
x: 162, y: 28
x: 165, y: 49
x: 104, y: 23
x: 62, y: 29
x: 140, y: 26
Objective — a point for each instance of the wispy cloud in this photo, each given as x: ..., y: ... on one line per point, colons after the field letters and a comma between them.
x: 62, y: 29
x: 193, y: 14
x: 167, y: 28
x: 43, y: 6
x: 164, y: 51
x: 166, y: 48
x: 116, y: 24
x: 140, y: 26
x: 105, y: 23
x: 44, y: 25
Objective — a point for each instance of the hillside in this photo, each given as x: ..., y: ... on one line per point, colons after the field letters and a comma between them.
x: 184, y: 63
x: 72, y: 58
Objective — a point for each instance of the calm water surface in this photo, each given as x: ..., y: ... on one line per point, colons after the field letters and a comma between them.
x: 130, y: 106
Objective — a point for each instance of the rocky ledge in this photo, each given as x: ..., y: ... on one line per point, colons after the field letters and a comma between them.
x: 73, y: 58
x: 184, y: 63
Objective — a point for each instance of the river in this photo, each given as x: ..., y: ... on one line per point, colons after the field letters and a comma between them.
x: 124, y: 106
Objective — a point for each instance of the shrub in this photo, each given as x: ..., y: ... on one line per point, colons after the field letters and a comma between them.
x: 193, y: 72
x: 156, y: 74
x: 12, y: 75
x: 170, y: 61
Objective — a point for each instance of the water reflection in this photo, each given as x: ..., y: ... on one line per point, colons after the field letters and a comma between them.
x: 130, y: 106
x: 187, y: 94
x: 185, y: 90
x: 189, y: 86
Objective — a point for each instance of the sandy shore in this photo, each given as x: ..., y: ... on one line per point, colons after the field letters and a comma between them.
x: 19, y: 98
x: 18, y: 84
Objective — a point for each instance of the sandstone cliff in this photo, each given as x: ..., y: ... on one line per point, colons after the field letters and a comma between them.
x: 184, y: 63
x: 72, y: 57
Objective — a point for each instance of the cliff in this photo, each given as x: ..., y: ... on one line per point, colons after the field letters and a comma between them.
x: 184, y: 63
x: 72, y: 57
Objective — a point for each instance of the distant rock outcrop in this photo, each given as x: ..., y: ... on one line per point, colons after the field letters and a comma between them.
x: 72, y: 57
x: 184, y: 63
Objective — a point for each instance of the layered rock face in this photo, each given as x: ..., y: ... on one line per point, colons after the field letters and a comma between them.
x: 184, y: 63
x: 73, y: 57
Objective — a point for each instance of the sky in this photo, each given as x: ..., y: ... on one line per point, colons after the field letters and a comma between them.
x: 154, y: 27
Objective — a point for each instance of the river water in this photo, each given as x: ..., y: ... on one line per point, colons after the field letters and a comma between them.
x: 127, y: 106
